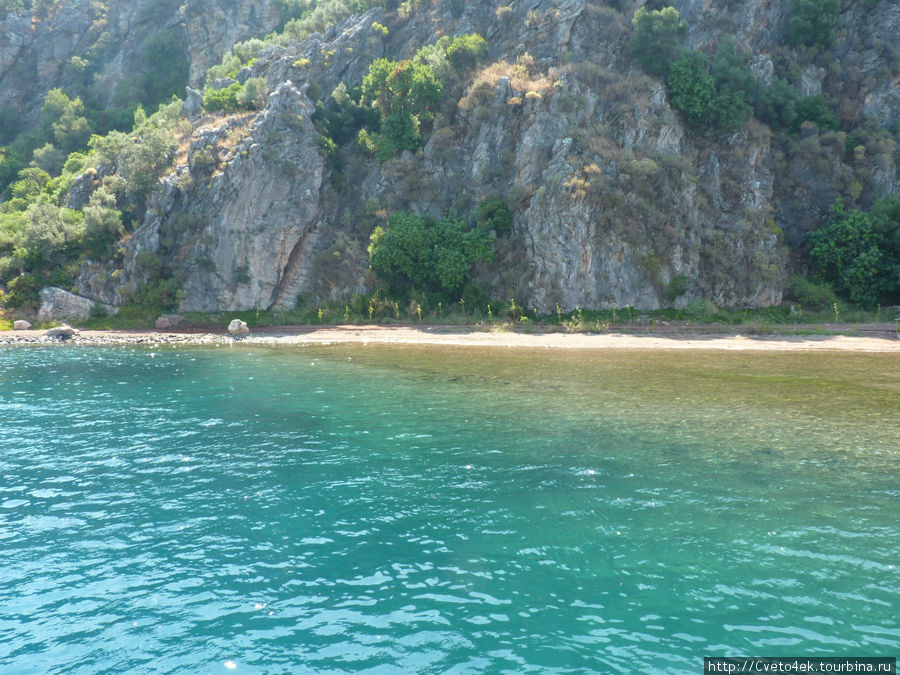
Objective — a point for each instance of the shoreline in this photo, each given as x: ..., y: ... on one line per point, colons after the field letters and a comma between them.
x: 294, y: 336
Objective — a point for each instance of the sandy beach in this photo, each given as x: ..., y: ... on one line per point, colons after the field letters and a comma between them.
x: 465, y: 337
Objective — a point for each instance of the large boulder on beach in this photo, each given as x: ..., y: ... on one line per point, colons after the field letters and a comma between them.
x: 58, y: 304
x: 21, y: 325
x: 238, y: 328
x: 63, y: 332
x: 167, y: 321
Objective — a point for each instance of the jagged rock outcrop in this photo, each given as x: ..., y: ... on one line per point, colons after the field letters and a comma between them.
x: 100, y: 46
x: 57, y: 304
x: 615, y: 200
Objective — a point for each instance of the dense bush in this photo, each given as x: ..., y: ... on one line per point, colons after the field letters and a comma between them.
x: 857, y: 258
x: 658, y: 39
x: 166, y: 67
x: 42, y: 242
x: 692, y: 89
x: 494, y: 214
x: 811, y: 23
x: 418, y: 253
x: 811, y: 295
x: 405, y: 93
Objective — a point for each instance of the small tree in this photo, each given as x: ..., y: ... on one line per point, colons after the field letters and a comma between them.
x: 657, y: 40
x: 102, y: 225
x: 417, y: 252
x: 811, y: 23
x: 692, y: 89
x: 846, y: 252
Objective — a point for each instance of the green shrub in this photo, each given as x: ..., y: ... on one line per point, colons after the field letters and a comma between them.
x: 163, y: 295
x: 847, y: 253
x: 776, y: 104
x: 677, y: 287
x: 417, y: 252
x: 102, y: 225
x: 810, y: 294
x: 225, y: 98
x: 404, y: 93
x: 811, y: 23
x: 495, y: 215
x: 692, y: 89
x: 817, y: 110
x: 658, y: 39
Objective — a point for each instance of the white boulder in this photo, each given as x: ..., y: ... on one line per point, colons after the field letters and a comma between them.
x: 63, y: 332
x: 238, y: 328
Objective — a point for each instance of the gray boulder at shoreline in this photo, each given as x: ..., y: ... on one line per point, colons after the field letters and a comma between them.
x: 58, y: 304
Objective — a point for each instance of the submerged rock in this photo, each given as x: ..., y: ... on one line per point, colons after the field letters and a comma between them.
x: 238, y: 328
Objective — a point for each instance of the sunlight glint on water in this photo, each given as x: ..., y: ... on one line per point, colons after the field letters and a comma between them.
x: 413, y: 510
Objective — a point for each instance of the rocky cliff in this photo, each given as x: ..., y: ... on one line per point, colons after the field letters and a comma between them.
x: 100, y: 46
x: 615, y: 200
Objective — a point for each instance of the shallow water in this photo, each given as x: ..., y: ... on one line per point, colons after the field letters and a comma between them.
x: 392, y: 509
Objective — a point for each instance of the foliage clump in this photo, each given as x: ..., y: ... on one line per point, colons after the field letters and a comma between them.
x: 811, y: 23
x: 858, y: 253
x: 431, y: 256
x: 405, y: 93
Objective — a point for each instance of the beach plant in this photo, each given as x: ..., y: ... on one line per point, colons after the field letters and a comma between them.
x: 558, y: 314
x: 320, y: 315
x: 837, y: 313
x: 346, y: 314
x: 490, y: 314
x: 575, y: 324
x: 371, y: 309
x: 614, y: 313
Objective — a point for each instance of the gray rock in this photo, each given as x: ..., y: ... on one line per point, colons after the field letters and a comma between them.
x: 57, y: 304
x: 63, y: 332
x: 193, y: 102
x: 238, y: 328
x: 21, y: 325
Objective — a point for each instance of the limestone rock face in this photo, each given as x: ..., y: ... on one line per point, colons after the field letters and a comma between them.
x: 57, y: 304
x: 615, y: 200
x: 238, y: 328
x: 47, y: 48
x: 21, y: 325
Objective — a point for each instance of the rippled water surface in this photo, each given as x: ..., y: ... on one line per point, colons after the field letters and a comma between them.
x: 424, y: 510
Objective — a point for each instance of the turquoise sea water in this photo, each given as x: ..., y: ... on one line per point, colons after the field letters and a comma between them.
x: 401, y: 510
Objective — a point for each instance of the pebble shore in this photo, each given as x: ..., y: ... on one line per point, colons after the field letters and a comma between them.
x: 289, y: 337
x: 36, y: 338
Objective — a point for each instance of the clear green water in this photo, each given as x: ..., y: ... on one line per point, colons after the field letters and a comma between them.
x: 415, y: 510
